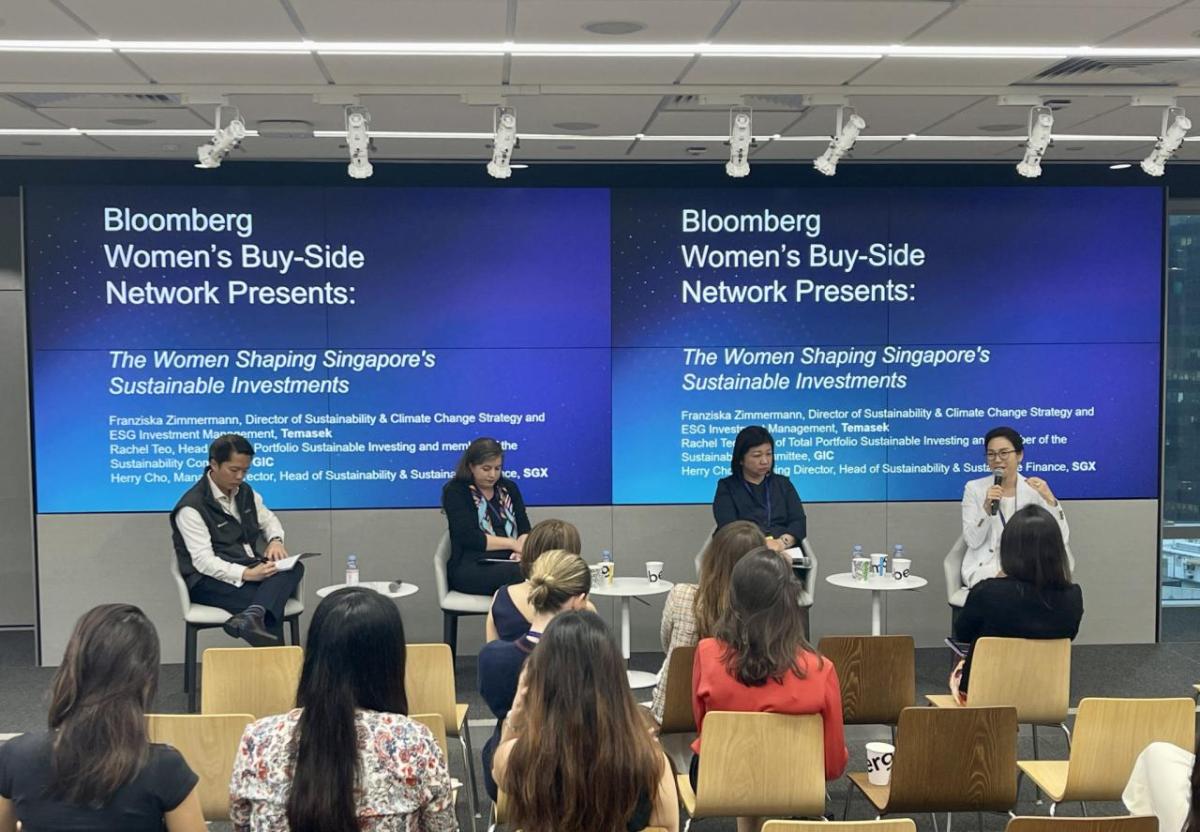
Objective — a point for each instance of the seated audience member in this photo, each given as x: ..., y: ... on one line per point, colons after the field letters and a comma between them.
x: 1164, y: 783
x: 559, y: 582
x: 219, y: 527
x: 575, y: 753
x: 95, y: 769
x: 511, y: 612
x: 486, y: 517
x: 756, y: 493
x: 759, y: 660
x: 692, y: 610
x: 347, y: 759
x: 1033, y: 597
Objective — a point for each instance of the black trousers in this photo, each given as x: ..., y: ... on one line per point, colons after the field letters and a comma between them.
x: 270, y: 594
x: 466, y: 574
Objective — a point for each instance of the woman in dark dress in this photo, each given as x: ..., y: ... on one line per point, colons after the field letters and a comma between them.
x: 756, y: 493
x: 487, y: 519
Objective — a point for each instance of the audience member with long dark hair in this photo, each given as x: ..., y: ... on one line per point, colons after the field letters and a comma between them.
x: 759, y: 660
x: 558, y: 582
x: 347, y: 759
x: 575, y: 755
x: 95, y: 769
x: 1033, y: 597
x: 692, y: 610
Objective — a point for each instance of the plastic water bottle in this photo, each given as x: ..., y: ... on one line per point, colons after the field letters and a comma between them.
x: 897, y: 552
x: 352, y: 570
x: 607, y: 564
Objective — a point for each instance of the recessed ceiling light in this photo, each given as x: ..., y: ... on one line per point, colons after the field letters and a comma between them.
x: 1000, y: 128
x: 564, y: 147
x: 575, y: 126
x: 1120, y: 166
x: 614, y: 27
x: 1056, y: 103
x: 130, y: 122
x: 696, y: 150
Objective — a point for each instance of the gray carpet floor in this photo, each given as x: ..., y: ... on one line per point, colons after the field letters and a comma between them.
x: 1168, y: 669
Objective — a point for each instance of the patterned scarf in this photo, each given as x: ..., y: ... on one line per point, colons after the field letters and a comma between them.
x: 484, y: 509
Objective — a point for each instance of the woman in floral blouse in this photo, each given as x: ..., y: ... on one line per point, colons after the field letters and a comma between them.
x: 347, y: 759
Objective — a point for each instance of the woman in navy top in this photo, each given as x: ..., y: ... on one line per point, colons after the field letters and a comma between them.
x: 756, y: 493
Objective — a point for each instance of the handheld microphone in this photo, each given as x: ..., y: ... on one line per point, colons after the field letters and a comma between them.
x: 998, y: 479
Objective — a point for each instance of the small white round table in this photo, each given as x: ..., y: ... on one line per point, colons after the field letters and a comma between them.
x: 878, y: 584
x: 626, y: 588
x: 382, y: 587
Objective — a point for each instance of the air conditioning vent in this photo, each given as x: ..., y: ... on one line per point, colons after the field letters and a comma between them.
x: 1139, y: 71
x: 97, y: 101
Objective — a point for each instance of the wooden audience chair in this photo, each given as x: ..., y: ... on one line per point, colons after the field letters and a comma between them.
x: 1109, y: 735
x: 1123, y: 823
x: 677, y: 706
x: 892, y: 825
x: 948, y: 760
x: 877, y: 675
x: 429, y: 683
x: 209, y: 744
x: 250, y: 680
x: 758, y: 765
x: 1031, y: 675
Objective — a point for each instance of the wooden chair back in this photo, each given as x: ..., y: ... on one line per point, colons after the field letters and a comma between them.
x: 756, y: 764
x: 250, y: 680
x: 1123, y: 823
x: 435, y: 724
x: 1111, y: 733
x: 890, y: 825
x: 429, y: 683
x: 877, y: 675
x: 209, y: 744
x: 677, y: 706
x: 1032, y: 675
x: 954, y: 759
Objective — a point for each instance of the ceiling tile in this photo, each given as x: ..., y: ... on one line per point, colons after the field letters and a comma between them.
x: 231, y: 69
x: 1177, y: 27
x: 937, y: 72
x: 620, y: 114
x: 208, y: 20
x: 66, y: 68
x: 402, y: 20
x: 1029, y: 24
x: 666, y: 21
x: 161, y: 118
x: 986, y: 112
x: 562, y: 70
x: 21, y: 20
x: 1151, y: 5
x: 787, y: 71
x: 155, y: 147
x: 428, y: 112
x: 42, y: 146
x: 716, y: 122
x: 819, y: 21
x: 413, y: 71
x: 798, y: 152
x: 256, y: 108
x: 14, y: 115
x: 891, y: 114
x: 716, y: 152
x: 531, y: 151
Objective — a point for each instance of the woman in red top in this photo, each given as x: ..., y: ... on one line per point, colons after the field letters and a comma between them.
x: 761, y: 661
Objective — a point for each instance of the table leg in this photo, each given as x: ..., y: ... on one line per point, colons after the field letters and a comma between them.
x: 876, y: 612
x: 625, y: 627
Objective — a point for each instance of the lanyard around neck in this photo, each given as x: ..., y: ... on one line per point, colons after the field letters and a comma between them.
x: 766, y: 490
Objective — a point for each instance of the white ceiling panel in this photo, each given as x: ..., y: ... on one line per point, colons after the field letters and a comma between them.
x: 890, y: 115
x: 403, y: 20
x: 231, y: 69
x: 618, y: 114
x: 255, y: 108
x: 67, y: 68
x: 936, y: 72
x: 556, y: 70
x: 1175, y: 28
x: 1151, y: 5
x: 41, y: 146
x: 669, y: 21
x: 256, y: 148
x: 716, y: 122
x: 531, y: 151
x: 417, y: 149
x: 1116, y: 119
x: 162, y: 118
x: 986, y: 113
x: 150, y: 147
x: 26, y: 19
x: 14, y: 115
x: 428, y: 112
x: 716, y: 152
x: 813, y: 21
x: 790, y: 71
x: 208, y: 20
x: 404, y: 70
x: 1029, y: 24
x: 796, y: 152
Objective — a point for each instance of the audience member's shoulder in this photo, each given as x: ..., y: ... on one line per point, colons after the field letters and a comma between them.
x: 277, y: 725
x: 684, y: 592
x: 495, y: 652
x: 403, y: 734
x: 993, y: 587
x: 27, y: 747
x: 708, y: 648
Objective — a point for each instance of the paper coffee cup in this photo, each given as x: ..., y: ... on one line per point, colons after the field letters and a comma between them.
x: 654, y: 570
x: 860, y: 568
x: 879, y: 564
x: 597, y: 574
x: 901, y: 568
x: 879, y: 762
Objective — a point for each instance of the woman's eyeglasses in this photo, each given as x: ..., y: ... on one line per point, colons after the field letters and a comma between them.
x: 1004, y: 454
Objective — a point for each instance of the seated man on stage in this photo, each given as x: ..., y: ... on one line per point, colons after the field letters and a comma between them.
x: 217, y: 526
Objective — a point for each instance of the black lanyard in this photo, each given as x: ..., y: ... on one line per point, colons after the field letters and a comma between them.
x: 766, y: 489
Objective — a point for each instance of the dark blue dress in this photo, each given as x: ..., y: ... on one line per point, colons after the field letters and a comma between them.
x: 510, y: 624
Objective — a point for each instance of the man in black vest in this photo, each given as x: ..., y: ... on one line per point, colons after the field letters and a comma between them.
x: 219, y: 526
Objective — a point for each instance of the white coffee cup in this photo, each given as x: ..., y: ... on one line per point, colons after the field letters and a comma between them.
x: 597, y: 571
x: 654, y: 570
x: 879, y: 762
x: 901, y: 568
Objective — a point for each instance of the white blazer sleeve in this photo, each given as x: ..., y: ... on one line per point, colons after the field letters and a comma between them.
x: 974, y: 519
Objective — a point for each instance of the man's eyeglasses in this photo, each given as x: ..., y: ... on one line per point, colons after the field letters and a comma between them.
x: 1004, y: 454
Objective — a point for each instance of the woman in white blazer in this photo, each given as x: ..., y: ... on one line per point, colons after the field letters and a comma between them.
x: 982, y: 528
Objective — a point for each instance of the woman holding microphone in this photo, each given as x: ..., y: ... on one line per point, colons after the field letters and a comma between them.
x: 990, y: 502
x: 756, y: 493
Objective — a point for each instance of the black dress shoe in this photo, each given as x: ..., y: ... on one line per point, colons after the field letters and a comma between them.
x: 252, y: 628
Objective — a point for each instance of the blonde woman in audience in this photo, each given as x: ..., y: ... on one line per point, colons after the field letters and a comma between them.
x: 575, y: 755
x: 95, y: 769
x: 759, y: 660
x: 347, y: 759
x: 692, y: 610
x: 512, y: 611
